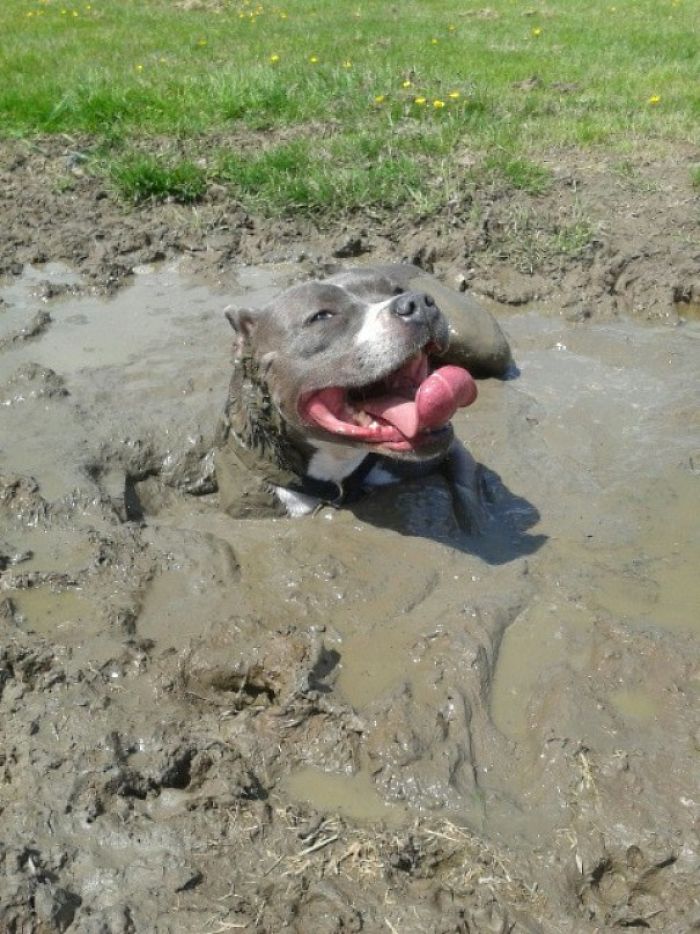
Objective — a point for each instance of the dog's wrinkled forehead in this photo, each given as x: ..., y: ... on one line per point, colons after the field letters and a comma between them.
x: 369, y: 284
x: 298, y: 316
x: 296, y: 305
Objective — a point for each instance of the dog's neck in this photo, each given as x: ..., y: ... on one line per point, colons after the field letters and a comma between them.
x: 332, y: 462
x: 268, y: 446
x: 253, y: 421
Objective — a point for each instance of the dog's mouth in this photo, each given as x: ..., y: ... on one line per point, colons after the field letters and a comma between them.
x: 406, y: 409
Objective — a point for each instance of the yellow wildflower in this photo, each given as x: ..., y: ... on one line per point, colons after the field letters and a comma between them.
x: 201, y: 42
x: 347, y: 63
x: 274, y: 59
x: 434, y: 41
x: 654, y: 100
x: 406, y: 84
x: 420, y: 101
x: 454, y: 95
x: 379, y: 98
x: 536, y: 32
x: 313, y: 59
x: 438, y: 105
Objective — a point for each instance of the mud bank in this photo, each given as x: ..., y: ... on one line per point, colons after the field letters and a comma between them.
x: 361, y: 721
x: 612, y: 234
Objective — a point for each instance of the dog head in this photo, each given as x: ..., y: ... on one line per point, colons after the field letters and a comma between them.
x: 354, y: 360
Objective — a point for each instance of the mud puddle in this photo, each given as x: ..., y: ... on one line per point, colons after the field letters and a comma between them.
x: 361, y: 719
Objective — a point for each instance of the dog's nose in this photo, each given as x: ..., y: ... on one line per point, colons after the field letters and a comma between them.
x: 414, y: 305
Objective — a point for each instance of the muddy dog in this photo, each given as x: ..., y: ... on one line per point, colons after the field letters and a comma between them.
x: 347, y: 383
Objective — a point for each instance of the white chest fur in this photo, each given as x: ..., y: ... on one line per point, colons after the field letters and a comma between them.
x: 333, y: 463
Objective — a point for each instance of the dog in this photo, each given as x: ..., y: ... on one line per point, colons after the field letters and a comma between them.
x: 347, y: 383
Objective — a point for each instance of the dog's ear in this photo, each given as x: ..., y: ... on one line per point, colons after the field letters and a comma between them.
x: 243, y: 322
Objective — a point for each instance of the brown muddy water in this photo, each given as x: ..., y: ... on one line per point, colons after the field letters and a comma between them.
x: 535, y: 684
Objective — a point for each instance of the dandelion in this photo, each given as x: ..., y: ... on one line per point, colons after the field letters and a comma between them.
x: 454, y: 95
x: 274, y: 59
x: 139, y: 67
x: 379, y: 98
x: 536, y: 32
x: 434, y: 41
x: 347, y: 63
x: 438, y: 105
x: 451, y: 27
x: 201, y: 42
x: 406, y: 84
x: 654, y: 100
x: 420, y: 101
x: 313, y: 59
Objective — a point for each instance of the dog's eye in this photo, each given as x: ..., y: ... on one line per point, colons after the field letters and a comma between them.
x: 323, y: 315
x: 398, y: 290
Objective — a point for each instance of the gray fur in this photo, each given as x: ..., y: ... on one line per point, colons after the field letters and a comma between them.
x: 343, y: 331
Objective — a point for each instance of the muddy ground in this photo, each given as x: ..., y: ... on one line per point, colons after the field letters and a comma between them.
x: 365, y: 720
x: 614, y: 234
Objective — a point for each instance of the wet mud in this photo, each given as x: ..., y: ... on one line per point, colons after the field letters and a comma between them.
x: 367, y: 719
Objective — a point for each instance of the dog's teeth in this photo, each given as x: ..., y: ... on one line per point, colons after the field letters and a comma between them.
x: 365, y: 420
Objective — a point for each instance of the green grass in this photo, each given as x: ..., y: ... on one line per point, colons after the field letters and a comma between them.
x: 521, y: 173
x: 145, y: 177
x: 510, y: 85
x: 301, y: 176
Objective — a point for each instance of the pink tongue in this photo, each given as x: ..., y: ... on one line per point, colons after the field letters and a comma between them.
x: 437, y: 399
